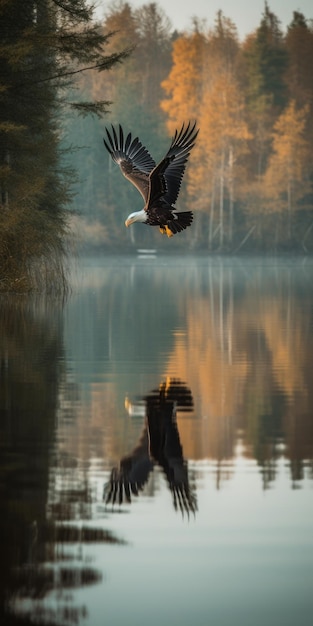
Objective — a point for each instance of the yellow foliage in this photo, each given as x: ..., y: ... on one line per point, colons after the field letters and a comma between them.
x: 287, y: 168
x: 202, y: 85
x: 256, y: 343
x: 184, y: 83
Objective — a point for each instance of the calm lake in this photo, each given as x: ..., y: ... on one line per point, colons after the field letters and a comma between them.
x: 156, y: 449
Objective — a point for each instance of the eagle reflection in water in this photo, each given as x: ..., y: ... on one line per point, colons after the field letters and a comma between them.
x: 159, y: 444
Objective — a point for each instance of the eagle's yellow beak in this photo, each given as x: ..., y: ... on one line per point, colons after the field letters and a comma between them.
x: 130, y: 220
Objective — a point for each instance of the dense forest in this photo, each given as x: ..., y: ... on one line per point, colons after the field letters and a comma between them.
x: 249, y: 179
x: 44, y: 46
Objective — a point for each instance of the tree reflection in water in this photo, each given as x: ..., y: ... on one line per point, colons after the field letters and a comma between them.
x: 41, y: 543
x: 159, y: 444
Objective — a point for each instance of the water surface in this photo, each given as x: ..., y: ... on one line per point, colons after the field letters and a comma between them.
x: 188, y: 381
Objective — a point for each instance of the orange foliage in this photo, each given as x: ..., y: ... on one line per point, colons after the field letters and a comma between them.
x: 288, y: 164
x: 184, y: 83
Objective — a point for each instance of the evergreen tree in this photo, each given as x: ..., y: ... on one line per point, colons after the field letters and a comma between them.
x: 265, y: 60
x: 136, y: 86
x: 44, y: 45
x: 299, y: 75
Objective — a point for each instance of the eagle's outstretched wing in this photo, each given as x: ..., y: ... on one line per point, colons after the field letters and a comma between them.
x: 130, y: 477
x: 152, y: 181
x: 166, y: 177
x: 133, y: 158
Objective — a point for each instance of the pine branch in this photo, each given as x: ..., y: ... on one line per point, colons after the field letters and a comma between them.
x: 98, y: 108
x: 100, y: 67
x: 79, y: 13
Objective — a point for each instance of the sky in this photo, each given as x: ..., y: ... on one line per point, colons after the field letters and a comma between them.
x: 246, y: 14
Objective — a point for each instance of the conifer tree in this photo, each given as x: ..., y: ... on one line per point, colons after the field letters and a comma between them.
x: 267, y: 62
x: 299, y: 75
x: 44, y: 45
x: 265, y: 59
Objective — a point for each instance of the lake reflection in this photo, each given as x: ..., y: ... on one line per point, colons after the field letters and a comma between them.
x: 159, y: 443
x: 226, y: 437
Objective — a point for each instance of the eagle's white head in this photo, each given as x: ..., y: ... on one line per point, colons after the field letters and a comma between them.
x: 138, y: 216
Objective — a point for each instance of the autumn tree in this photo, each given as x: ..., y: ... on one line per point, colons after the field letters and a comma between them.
x: 286, y: 178
x: 203, y: 84
x: 226, y: 134
x: 183, y: 96
x: 224, y: 130
x: 183, y: 85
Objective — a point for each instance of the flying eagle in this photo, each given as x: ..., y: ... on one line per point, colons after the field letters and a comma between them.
x: 159, y: 184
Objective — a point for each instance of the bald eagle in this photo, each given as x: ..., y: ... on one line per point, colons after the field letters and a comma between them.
x: 159, y: 184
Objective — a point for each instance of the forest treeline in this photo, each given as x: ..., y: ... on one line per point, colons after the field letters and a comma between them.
x: 249, y: 179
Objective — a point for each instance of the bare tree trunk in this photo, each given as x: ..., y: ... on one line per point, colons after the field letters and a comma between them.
x: 289, y: 196
x: 212, y: 214
x: 305, y: 236
x: 197, y: 230
x: 222, y: 199
x: 231, y: 194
